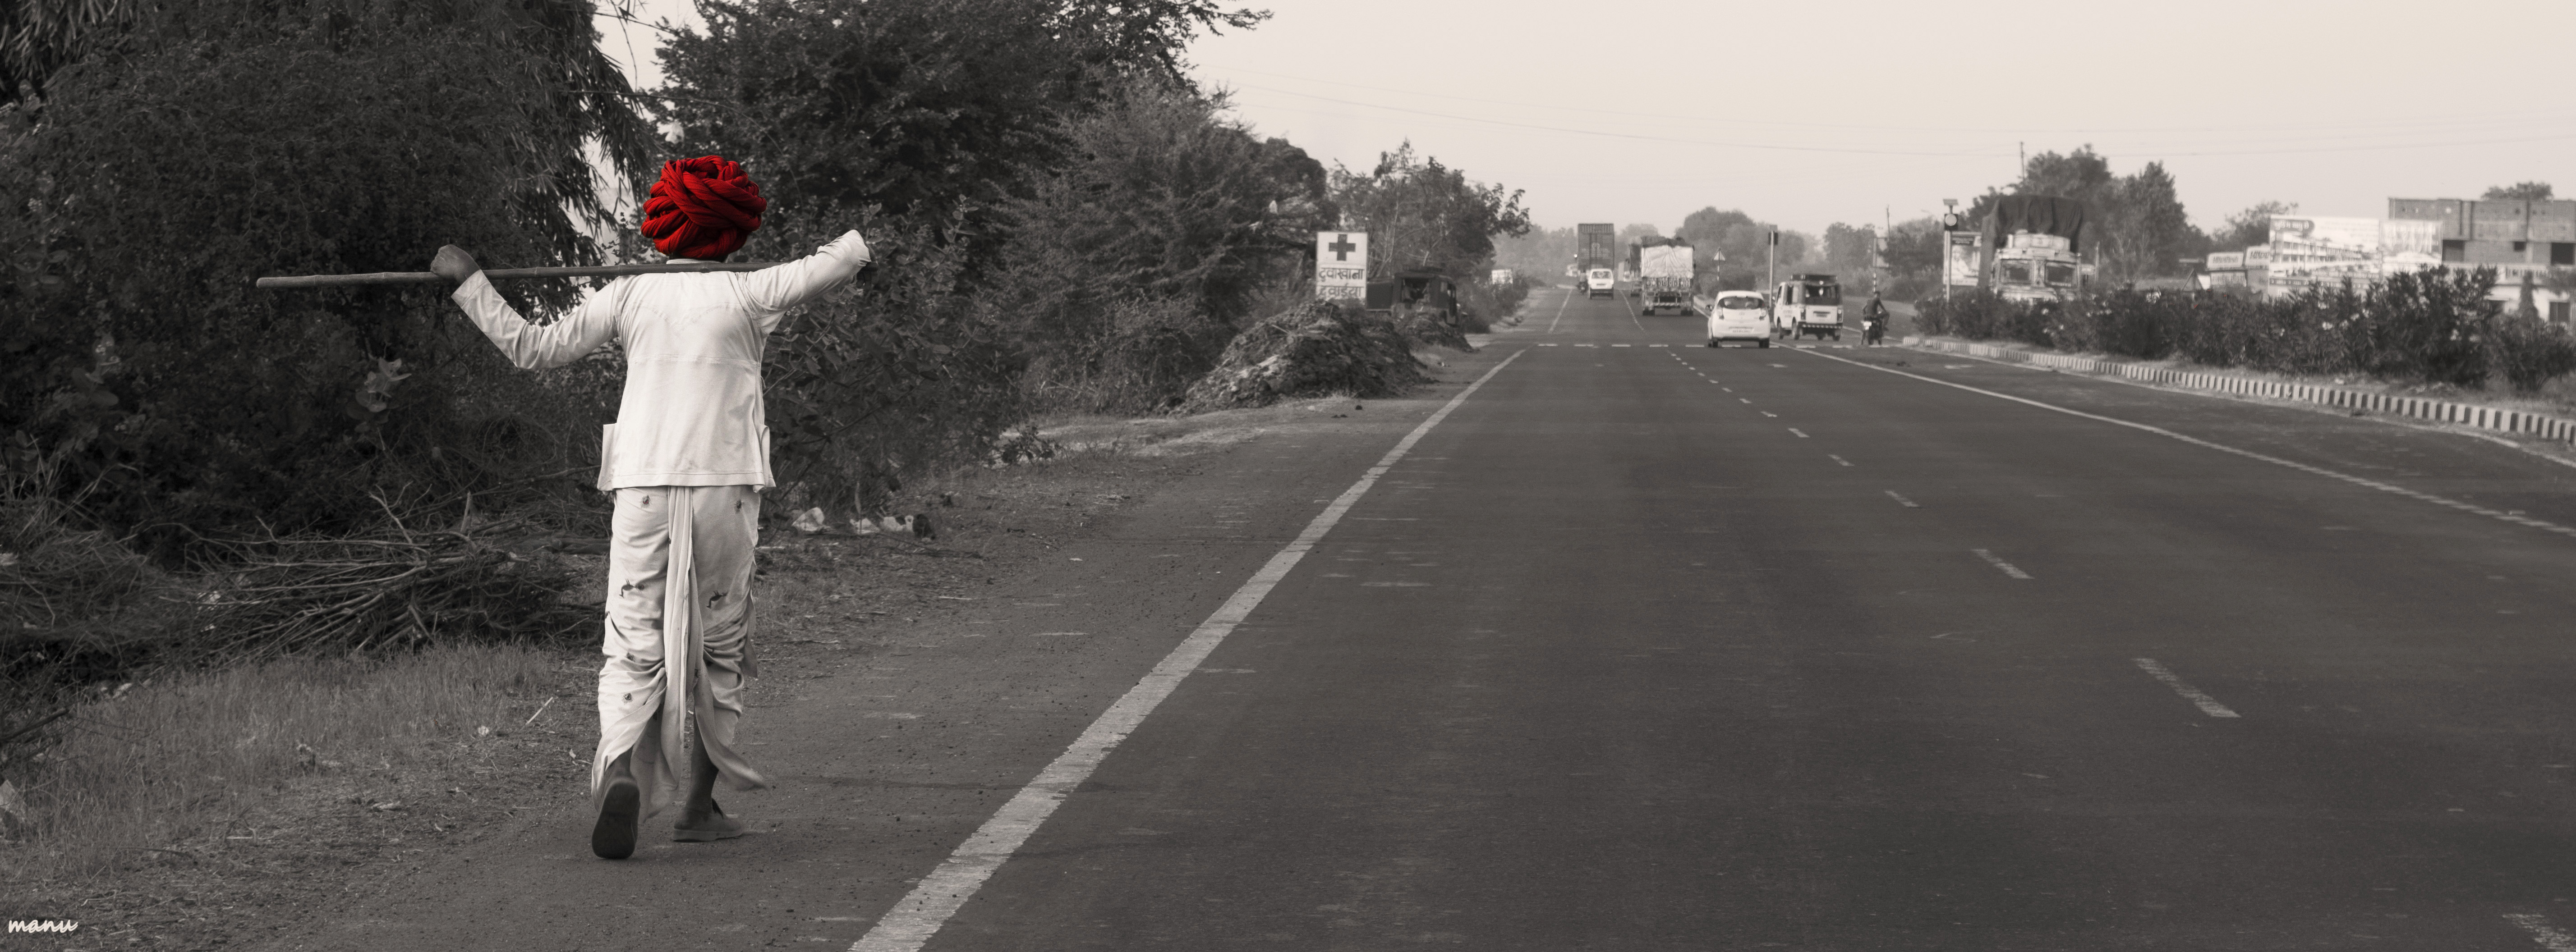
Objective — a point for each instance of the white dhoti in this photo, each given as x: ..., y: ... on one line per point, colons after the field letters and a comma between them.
x: 679, y: 587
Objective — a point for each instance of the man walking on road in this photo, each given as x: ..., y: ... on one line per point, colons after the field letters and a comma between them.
x: 686, y: 459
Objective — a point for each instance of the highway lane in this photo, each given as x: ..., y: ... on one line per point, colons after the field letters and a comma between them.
x: 1664, y: 647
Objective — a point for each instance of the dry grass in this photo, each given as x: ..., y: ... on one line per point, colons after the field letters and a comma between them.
x: 171, y: 763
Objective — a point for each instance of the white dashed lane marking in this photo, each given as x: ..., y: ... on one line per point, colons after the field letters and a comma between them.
x: 1902, y: 501
x: 1802, y: 434
x: 1837, y: 459
x: 2208, y: 705
x: 2007, y: 567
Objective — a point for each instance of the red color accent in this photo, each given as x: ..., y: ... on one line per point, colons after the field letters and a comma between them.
x: 702, y: 208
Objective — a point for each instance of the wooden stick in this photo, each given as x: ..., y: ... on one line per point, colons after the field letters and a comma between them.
x: 500, y: 274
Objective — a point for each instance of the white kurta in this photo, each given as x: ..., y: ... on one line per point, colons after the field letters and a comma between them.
x: 692, y: 413
x: 686, y: 457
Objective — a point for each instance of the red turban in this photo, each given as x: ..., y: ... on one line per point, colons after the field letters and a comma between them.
x: 702, y: 208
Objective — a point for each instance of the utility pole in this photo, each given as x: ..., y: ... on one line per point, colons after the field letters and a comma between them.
x: 1771, y: 267
x: 1949, y: 221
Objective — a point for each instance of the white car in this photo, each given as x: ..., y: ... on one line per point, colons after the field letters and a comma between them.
x: 1601, y: 282
x: 1737, y: 315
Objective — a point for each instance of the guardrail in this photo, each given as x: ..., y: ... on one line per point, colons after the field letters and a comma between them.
x: 2440, y: 411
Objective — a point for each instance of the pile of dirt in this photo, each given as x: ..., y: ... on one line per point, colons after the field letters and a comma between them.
x: 1318, y: 349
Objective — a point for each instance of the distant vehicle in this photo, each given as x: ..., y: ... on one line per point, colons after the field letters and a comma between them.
x: 1808, y: 304
x: 1595, y: 246
x: 1664, y: 278
x: 1600, y: 282
x: 2036, y: 243
x: 1737, y: 315
x: 1628, y: 276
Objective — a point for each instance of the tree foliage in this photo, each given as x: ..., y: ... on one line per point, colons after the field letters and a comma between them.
x: 145, y: 368
x: 2136, y: 225
x: 1420, y: 213
x: 2250, y: 227
x: 2525, y: 191
x: 1743, y: 241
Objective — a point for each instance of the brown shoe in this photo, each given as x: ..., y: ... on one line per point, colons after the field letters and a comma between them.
x: 716, y: 826
x: 613, y: 837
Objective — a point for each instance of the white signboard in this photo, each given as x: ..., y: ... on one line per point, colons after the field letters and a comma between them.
x: 2227, y: 261
x: 2323, y: 238
x: 1501, y: 276
x: 1341, y: 265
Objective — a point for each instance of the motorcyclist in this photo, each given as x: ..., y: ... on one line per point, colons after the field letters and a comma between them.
x: 1873, y: 320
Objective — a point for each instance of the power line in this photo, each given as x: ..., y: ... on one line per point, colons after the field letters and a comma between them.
x: 2520, y: 117
x: 1615, y: 135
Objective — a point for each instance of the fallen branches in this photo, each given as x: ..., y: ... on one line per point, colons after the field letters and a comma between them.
x: 301, y: 594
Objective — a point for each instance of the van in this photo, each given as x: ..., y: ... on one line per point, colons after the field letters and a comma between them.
x: 1600, y: 282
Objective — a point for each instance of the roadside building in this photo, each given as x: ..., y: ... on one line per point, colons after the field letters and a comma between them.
x: 2517, y: 238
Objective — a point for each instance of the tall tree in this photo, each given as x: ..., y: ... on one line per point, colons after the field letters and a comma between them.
x: 1420, y: 213
x: 2136, y: 224
x: 922, y: 108
x: 1847, y: 250
x: 578, y: 97
x: 2250, y: 227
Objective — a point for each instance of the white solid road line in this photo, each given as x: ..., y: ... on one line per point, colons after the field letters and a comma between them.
x: 1560, y: 311
x: 2515, y: 518
x: 2208, y: 705
x: 2001, y: 564
x: 2542, y: 931
x: 1900, y: 500
x: 920, y: 914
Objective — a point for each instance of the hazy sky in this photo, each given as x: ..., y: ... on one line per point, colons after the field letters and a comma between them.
x: 1808, y: 113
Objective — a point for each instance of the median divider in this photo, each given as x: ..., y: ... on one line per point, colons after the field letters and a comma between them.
x: 2440, y: 411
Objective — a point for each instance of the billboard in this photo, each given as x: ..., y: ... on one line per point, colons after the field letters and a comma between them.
x: 2328, y: 238
x: 1341, y: 265
x: 1959, y: 261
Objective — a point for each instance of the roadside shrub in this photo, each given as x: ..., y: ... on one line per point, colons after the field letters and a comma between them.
x: 1483, y: 304
x: 2433, y: 326
x: 2530, y: 353
x: 889, y: 376
x: 2428, y: 325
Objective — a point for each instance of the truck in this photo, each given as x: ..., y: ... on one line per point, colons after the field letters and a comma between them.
x: 1664, y: 278
x: 2034, y: 248
x: 1808, y: 304
x: 1596, y: 253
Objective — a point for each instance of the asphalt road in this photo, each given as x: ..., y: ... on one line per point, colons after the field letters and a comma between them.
x: 1652, y: 646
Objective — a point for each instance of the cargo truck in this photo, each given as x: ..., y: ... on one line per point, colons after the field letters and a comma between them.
x: 1808, y: 304
x: 1596, y: 252
x: 1664, y: 278
x: 2034, y: 248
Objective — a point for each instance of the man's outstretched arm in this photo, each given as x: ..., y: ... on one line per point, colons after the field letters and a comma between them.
x: 528, y: 345
x: 774, y: 290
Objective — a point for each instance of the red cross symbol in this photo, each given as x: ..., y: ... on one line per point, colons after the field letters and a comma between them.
x: 1342, y: 247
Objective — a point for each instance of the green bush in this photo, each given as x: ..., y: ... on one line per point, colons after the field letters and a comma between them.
x: 176, y: 400
x: 2530, y: 353
x: 2433, y: 326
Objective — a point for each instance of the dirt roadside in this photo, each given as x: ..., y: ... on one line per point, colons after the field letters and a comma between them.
x: 317, y: 859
